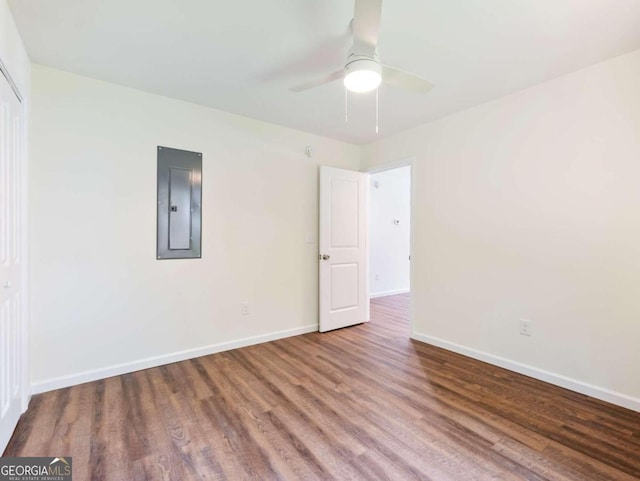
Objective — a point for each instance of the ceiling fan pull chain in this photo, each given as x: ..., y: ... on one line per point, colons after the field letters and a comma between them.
x: 376, y: 111
x: 346, y: 106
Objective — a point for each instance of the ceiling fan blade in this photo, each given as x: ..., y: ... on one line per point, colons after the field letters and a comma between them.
x: 366, y: 25
x: 316, y: 83
x: 405, y: 80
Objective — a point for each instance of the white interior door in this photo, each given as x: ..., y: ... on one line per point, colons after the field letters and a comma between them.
x: 343, y: 248
x: 12, y: 217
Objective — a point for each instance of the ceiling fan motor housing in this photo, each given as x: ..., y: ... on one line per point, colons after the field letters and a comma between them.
x: 362, y: 73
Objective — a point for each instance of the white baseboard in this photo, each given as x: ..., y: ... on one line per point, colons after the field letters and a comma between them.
x: 597, y: 392
x: 118, y: 369
x: 373, y: 295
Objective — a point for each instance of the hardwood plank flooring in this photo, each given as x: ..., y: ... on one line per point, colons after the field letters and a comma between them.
x: 362, y: 403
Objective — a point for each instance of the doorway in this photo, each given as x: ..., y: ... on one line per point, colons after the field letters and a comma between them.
x: 389, y: 223
x: 364, y: 252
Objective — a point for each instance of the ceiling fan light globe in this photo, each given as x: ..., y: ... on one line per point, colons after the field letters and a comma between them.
x: 362, y: 76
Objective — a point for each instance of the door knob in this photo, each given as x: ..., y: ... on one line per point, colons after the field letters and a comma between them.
x: 325, y: 257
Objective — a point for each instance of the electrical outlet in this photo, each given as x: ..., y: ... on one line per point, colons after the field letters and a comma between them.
x: 244, y: 309
x: 525, y: 327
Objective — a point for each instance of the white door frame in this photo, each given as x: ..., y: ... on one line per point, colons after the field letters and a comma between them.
x: 404, y: 162
x: 25, y: 394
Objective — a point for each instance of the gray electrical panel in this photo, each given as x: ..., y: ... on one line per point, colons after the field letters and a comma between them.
x: 179, y: 204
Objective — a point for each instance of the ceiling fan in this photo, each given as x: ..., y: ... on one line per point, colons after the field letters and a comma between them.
x: 363, y: 71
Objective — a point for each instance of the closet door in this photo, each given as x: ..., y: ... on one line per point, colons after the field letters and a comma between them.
x: 13, y: 320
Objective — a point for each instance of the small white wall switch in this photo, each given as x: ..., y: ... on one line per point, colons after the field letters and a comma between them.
x: 310, y: 238
x: 244, y: 309
x: 525, y: 327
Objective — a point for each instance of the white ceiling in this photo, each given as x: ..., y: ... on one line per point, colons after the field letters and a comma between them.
x: 241, y: 56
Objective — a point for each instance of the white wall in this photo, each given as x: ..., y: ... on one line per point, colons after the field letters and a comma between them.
x: 529, y: 207
x: 99, y: 296
x: 389, y: 243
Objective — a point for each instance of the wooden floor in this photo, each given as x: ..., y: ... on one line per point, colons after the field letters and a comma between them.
x: 358, y: 403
